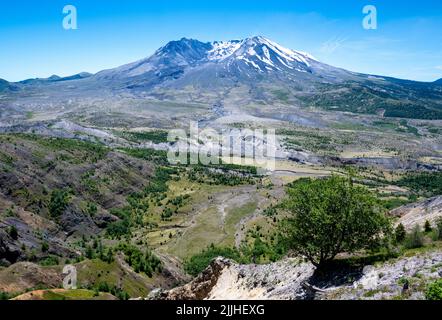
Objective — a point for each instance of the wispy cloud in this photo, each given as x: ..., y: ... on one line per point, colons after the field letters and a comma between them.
x: 331, y: 45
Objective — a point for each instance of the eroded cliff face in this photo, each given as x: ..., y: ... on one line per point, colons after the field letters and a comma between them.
x: 201, y: 287
x: 293, y: 279
x: 418, y: 213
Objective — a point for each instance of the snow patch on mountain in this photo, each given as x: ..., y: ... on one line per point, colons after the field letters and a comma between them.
x: 257, y: 54
x: 287, y: 54
x: 223, y: 49
x: 260, y: 53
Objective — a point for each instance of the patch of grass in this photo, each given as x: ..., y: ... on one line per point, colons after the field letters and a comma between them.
x: 145, y: 262
x: 371, y: 293
x: 4, y: 296
x: 29, y: 115
x: 197, y: 263
x: 53, y: 296
x: 49, y: 261
x: 159, y: 157
x: 313, y: 140
x: 75, y: 294
x: 281, y: 95
x: 349, y: 126
x: 233, y: 218
x: 206, y: 231
x: 58, y: 202
x: 435, y: 130
x: 388, y: 125
x: 157, y: 136
x: 71, y: 150
x: 95, y: 271
x: 6, y: 158
x: 405, y: 127
x: 394, y: 203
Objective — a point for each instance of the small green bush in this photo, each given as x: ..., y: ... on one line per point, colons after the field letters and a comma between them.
x: 4, y: 296
x: 427, y: 226
x: 439, y: 228
x: 434, y: 291
x: 141, y: 261
x: 13, y: 233
x: 400, y: 233
x: 58, y: 202
x: 44, y: 246
x: 50, y: 261
x: 415, y: 239
x: 112, y: 289
x: 197, y: 263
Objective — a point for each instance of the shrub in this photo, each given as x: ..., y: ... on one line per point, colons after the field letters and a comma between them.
x: 427, y: 226
x: 331, y: 216
x: 400, y: 233
x: 91, y: 209
x: 89, y: 252
x: 58, y: 202
x: 115, y: 291
x: 50, y: 261
x: 119, y: 228
x: 197, y: 263
x: 44, y: 246
x: 439, y: 228
x: 4, y: 296
x: 434, y: 291
x: 13, y: 233
x: 140, y: 261
x: 415, y: 239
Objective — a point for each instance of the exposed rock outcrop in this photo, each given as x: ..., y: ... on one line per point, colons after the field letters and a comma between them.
x: 417, y: 213
x: 224, y: 279
x: 199, y: 288
x: 292, y: 279
x: 9, y: 251
x: 24, y: 275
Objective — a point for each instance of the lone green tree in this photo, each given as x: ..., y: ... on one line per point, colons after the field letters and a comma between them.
x: 427, y: 226
x: 400, y: 233
x: 58, y: 202
x: 439, y: 228
x: 331, y: 216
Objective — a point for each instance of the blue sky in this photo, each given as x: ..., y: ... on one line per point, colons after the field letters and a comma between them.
x: 407, y: 43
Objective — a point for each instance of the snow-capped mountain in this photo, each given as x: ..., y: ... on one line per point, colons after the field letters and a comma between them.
x: 223, y: 49
x: 265, y: 55
x: 256, y: 70
x: 176, y: 54
x: 260, y: 53
x: 257, y: 53
x: 218, y: 66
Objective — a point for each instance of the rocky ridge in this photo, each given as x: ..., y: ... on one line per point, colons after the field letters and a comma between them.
x: 293, y: 279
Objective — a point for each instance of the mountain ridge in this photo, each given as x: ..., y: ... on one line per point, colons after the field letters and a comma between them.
x: 268, y: 73
x: 218, y: 49
x: 257, y: 52
x: 56, y: 78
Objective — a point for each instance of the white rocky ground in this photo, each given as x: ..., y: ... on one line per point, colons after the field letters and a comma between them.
x: 291, y: 279
x: 417, y: 213
x: 387, y: 281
